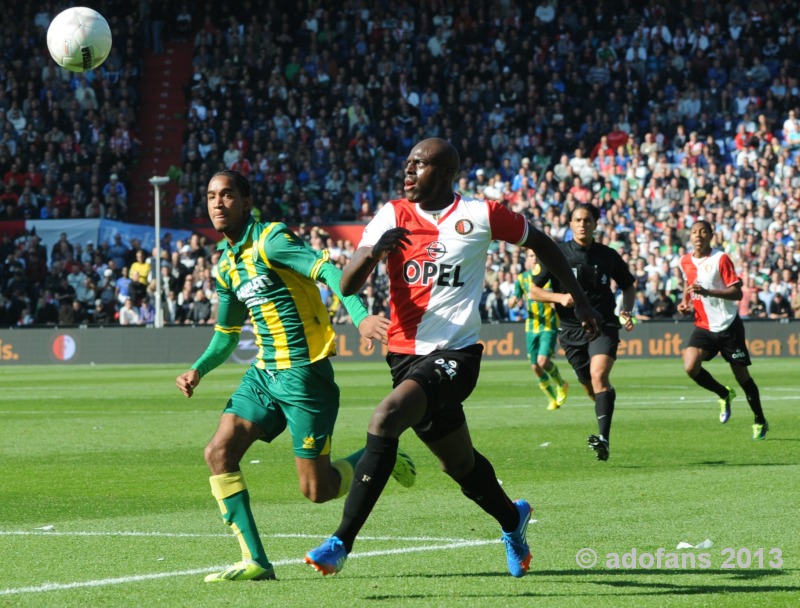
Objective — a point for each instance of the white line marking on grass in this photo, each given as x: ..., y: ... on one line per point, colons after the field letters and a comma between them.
x: 455, y: 545
x: 626, y: 400
x: 422, y: 539
x: 144, y: 534
x: 655, y: 386
x: 676, y: 387
x: 105, y: 412
x: 102, y: 582
x: 196, y: 571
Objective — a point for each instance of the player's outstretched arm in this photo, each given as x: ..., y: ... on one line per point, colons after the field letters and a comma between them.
x: 371, y: 327
x: 364, y: 260
x: 553, y: 259
x: 731, y: 292
x: 549, y: 297
x: 219, y: 349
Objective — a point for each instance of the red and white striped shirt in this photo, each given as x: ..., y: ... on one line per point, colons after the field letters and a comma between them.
x: 714, y: 271
x: 436, y: 283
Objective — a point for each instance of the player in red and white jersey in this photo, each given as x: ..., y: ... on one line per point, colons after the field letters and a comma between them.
x: 712, y: 292
x: 713, y: 271
x: 438, y: 278
x: 435, y: 244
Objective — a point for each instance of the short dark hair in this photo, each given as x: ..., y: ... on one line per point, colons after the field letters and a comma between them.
x: 240, y: 181
x: 707, y: 224
x: 591, y: 209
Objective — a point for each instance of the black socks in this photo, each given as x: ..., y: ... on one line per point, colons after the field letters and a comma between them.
x: 604, y: 410
x: 369, y: 478
x: 480, y: 486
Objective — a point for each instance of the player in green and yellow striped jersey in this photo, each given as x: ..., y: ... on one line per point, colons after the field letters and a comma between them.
x: 267, y: 274
x: 541, y: 329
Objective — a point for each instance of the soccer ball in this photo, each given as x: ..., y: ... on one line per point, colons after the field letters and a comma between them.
x: 79, y: 39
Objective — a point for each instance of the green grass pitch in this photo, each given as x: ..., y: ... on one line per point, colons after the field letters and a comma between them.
x: 105, y: 498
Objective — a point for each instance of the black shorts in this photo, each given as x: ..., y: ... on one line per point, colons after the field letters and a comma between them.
x: 448, y: 378
x: 579, y: 350
x: 730, y: 342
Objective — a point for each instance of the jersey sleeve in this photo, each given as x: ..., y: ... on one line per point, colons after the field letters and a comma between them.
x: 519, y: 291
x: 231, y: 314
x: 384, y: 220
x: 727, y: 271
x: 621, y: 274
x: 506, y: 225
x: 221, y: 347
x: 541, y: 278
x: 331, y: 276
x: 684, y: 265
x: 283, y: 248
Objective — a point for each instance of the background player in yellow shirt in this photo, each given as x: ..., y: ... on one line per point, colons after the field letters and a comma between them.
x: 541, y: 332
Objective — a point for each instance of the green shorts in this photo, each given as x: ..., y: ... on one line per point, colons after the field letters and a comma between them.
x: 305, y: 398
x: 540, y: 344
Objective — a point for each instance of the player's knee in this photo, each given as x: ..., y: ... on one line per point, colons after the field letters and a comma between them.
x: 458, y: 466
x: 315, y: 493
x: 600, y: 383
x: 692, y: 368
x: 218, y: 457
x: 213, y: 454
x: 389, y: 419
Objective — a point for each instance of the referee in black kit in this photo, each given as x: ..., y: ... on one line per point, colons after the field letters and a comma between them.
x: 595, y: 266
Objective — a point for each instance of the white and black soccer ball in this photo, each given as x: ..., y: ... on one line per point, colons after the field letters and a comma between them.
x: 79, y: 39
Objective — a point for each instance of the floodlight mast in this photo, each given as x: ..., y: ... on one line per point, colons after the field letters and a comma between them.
x: 158, y: 181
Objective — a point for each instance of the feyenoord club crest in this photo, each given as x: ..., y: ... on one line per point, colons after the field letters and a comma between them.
x: 464, y: 227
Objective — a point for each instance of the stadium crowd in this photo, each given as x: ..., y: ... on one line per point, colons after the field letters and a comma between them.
x: 657, y: 113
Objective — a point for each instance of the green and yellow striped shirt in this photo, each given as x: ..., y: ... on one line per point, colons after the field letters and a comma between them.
x: 541, y: 315
x: 270, y: 274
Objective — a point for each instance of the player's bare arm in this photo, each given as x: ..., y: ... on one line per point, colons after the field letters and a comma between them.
x: 550, y: 297
x: 552, y: 257
x: 628, y: 297
x: 731, y: 292
x: 357, y: 271
x: 188, y: 381
x: 685, y: 306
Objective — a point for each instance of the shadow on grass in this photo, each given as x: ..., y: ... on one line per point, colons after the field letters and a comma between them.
x: 725, y: 463
x: 703, y: 463
x: 733, y: 574
x: 622, y: 579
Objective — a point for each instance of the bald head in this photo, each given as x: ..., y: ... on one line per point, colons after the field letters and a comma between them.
x: 440, y: 152
x: 430, y: 170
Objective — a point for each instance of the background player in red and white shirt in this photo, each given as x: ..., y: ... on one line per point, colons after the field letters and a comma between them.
x: 713, y: 290
x: 435, y: 244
